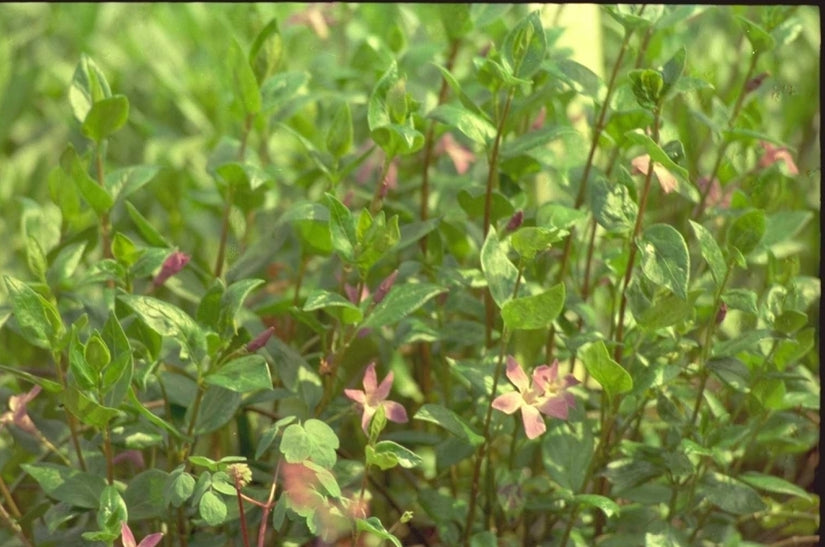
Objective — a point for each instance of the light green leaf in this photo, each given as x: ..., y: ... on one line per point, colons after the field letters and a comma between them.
x: 500, y: 273
x: 106, y: 117
x: 450, y: 421
x: 534, y: 312
x: 710, y: 252
x: 335, y: 304
x: 388, y: 454
x: 243, y: 80
x: 245, y: 374
x: 212, y: 508
x: 38, y: 318
x: 473, y: 126
x: 610, y: 374
x: 665, y: 258
x: 313, y: 440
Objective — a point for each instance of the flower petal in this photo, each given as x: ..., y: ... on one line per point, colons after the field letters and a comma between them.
x: 384, y: 389
x: 533, y: 422
x: 151, y: 540
x: 366, y: 417
x: 395, y: 412
x: 370, y: 379
x: 516, y: 375
x: 126, y: 535
x: 356, y: 395
x: 509, y: 402
x: 544, y: 376
x: 556, y: 407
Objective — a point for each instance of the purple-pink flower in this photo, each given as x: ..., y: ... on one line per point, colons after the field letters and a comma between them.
x: 128, y: 538
x: 546, y: 395
x: 374, y: 396
x: 18, y: 414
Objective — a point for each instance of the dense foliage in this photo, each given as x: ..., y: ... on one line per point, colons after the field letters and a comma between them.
x: 427, y: 274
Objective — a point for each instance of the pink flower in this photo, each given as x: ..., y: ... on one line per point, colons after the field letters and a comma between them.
x: 461, y: 156
x: 641, y: 164
x: 128, y: 538
x: 173, y: 264
x: 374, y: 396
x: 715, y: 196
x: 316, y: 16
x: 17, y: 413
x: 546, y: 396
x: 773, y: 154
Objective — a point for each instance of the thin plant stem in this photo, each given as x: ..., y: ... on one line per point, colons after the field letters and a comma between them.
x: 12, y: 523
x: 242, y: 514
x: 637, y: 228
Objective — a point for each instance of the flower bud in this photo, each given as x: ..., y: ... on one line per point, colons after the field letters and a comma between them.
x: 173, y: 264
x: 723, y: 311
x: 515, y: 221
x: 754, y: 83
x: 384, y: 287
x: 260, y: 340
x: 240, y: 473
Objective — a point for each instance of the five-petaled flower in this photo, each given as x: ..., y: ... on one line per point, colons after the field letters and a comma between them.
x: 128, y: 538
x: 374, y: 396
x: 547, y: 395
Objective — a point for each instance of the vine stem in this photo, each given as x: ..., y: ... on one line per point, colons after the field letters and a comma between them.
x: 597, y: 132
x: 637, y: 228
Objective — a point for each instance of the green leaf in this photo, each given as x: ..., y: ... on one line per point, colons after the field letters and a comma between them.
x: 500, y: 273
x: 760, y: 40
x: 607, y: 505
x: 376, y: 237
x: 373, y: 526
x: 589, y: 81
x: 218, y: 406
x: 614, y: 209
x: 149, y: 233
x: 82, y: 373
x: 531, y: 140
x: 106, y: 117
x: 450, y: 421
x: 665, y: 258
x: 402, y: 300
x: 144, y: 495
x: 747, y: 231
x: 112, y: 509
x: 280, y: 88
x: 232, y: 301
x: 610, y: 374
x: 76, y: 488
x: 212, y: 508
x: 672, y: 71
x: 732, y: 372
x: 667, y: 310
x: 341, y: 228
x: 243, y: 80
x: 340, y: 135
x: 730, y: 494
x: 179, y: 488
x: 335, y: 304
x: 266, y: 51
x: 38, y: 318
x: 710, y: 252
x: 775, y: 485
x: 270, y: 433
x: 475, y: 127
x: 313, y: 440
x: 388, y: 454
x: 647, y: 87
x: 87, y: 410
x: 36, y: 258
x: 528, y: 241
x: 534, y: 312
x: 245, y: 374
x: 525, y: 47
x: 377, y: 112
x: 455, y: 18
x: 468, y: 103
x: 94, y: 194
x: 88, y: 86
x: 138, y: 407
x: 168, y: 320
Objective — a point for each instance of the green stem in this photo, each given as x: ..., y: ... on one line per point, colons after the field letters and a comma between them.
x: 637, y: 228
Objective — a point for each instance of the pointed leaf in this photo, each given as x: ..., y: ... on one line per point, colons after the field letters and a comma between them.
x: 500, y: 273
x: 665, y: 258
x: 401, y: 301
x: 534, y: 312
x: 610, y: 374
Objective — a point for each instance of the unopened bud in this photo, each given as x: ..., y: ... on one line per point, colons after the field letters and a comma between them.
x: 754, y: 83
x: 260, y: 340
x: 172, y: 265
x: 515, y: 221
x: 384, y: 287
x: 240, y: 473
x: 723, y: 311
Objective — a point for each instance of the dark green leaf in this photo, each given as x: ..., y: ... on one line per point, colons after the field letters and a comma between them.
x: 38, y: 319
x: 746, y: 231
x: 217, y: 408
x: 244, y: 374
x: 612, y: 206
x: 730, y: 494
x: 402, y: 300
x: 710, y: 252
x: 87, y: 410
x: 450, y: 421
x: 473, y: 126
x: 94, y: 194
x: 70, y: 486
x: 342, y: 228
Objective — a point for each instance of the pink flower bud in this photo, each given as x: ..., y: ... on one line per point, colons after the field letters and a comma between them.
x: 260, y: 340
x: 515, y: 221
x: 754, y: 83
x: 384, y: 287
x: 174, y: 263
